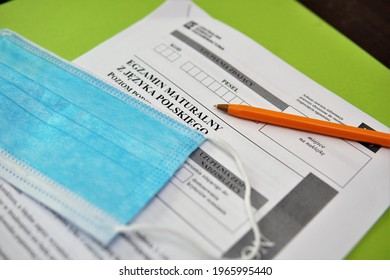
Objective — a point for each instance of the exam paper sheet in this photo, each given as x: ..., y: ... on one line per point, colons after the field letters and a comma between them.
x: 313, y: 196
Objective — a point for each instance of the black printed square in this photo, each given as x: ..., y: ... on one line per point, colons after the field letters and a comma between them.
x: 372, y: 147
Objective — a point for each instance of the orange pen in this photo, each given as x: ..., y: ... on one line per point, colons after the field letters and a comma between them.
x: 307, y: 124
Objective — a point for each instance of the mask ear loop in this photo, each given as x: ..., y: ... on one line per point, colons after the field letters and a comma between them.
x: 247, y: 252
x: 250, y: 251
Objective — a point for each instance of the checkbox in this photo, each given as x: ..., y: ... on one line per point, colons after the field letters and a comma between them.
x: 236, y: 100
x: 160, y: 48
x: 187, y: 66
x: 221, y: 91
x: 228, y: 96
x: 214, y: 86
x: 194, y: 71
x: 201, y: 76
x: 167, y: 52
x: 183, y: 174
x: 208, y: 81
x: 173, y: 57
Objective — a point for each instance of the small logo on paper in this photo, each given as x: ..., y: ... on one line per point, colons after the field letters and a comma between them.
x: 190, y: 24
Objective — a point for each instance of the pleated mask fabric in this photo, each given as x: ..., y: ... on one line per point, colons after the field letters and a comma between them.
x: 88, y: 151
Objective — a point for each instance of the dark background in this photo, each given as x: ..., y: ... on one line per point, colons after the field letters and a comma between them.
x: 365, y: 22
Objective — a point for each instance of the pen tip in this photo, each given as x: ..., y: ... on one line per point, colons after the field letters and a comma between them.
x: 222, y: 107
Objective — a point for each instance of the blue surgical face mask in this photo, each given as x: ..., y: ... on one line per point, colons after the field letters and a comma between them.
x: 86, y: 150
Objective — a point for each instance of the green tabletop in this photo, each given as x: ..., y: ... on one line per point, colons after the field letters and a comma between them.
x: 285, y: 27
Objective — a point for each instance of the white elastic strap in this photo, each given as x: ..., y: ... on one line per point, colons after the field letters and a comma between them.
x: 248, y: 252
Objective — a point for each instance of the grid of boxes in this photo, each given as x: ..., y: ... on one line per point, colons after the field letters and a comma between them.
x: 211, y: 84
x: 167, y: 52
